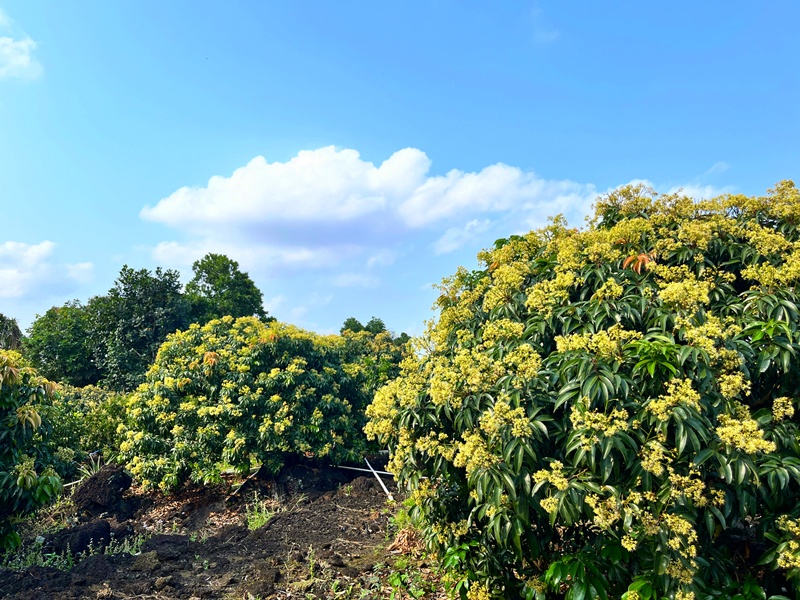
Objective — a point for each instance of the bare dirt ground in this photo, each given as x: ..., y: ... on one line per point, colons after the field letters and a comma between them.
x: 328, y: 538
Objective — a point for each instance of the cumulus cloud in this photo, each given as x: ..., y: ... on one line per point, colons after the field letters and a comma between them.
x: 325, y: 206
x: 700, y: 191
x: 16, y: 54
x: 455, y: 237
x: 325, y: 185
x: 28, y: 270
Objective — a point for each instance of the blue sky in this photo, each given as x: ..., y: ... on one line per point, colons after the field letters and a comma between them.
x: 349, y: 155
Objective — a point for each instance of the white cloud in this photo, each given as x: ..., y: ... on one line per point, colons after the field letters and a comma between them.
x: 356, y: 280
x: 718, y: 167
x: 700, y: 191
x: 16, y: 54
x: 274, y: 303
x: 382, y: 258
x: 455, y: 237
x: 497, y: 188
x: 326, y: 206
x: 317, y: 185
x: 27, y: 270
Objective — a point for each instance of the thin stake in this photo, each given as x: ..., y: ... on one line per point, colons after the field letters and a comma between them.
x: 385, y: 489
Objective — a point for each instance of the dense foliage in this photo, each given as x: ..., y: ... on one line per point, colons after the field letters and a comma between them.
x: 27, y: 480
x: 10, y: 335
x: 611, y: 412
x: 82, y: 422
x: 233, y: 393
x: 131, y: 322
x: 113, y: 339
x: 220, y: 289
x: 60, y: 347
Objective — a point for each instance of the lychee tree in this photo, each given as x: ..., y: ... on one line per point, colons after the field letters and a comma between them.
x: 238, y: 392
x: 611, y: 411
x: 27, y: 481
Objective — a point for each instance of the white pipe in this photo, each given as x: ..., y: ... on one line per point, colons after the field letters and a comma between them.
x: 385, y: 489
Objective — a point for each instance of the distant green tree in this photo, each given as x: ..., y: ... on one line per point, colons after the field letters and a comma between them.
x: 130, y: 323
x: 402, y: 339
x: 351, y: 324
x: 59, y: 346
x: 375, y: 326
x: 219, y: 289
x: 10, y: 335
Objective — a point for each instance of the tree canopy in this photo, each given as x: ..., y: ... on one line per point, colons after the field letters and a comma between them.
x: 220, y: 289
x: 59, y: 345
x: 10, y: 335
x: 131, y: 322
x: 612, y: 412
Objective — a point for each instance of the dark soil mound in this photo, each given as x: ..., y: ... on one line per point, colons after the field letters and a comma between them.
x: 103, y: 492
x: 77, y: 540
x: 327, y: 519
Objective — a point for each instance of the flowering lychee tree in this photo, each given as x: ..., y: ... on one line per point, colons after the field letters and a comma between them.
x: 27, y: 481
x: 235, y: 393
x: 610, y: 412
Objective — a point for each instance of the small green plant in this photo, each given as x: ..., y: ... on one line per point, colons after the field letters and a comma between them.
x: 129, y: 545
x: 260, y: 511
x: 92, y: 467
x: 33, y: 555
x: 311, y: 562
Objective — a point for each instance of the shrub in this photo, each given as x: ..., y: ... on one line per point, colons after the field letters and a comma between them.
x: 26, y: 479
x: 82, y: 421
x: 235, y: 392
x: 611, y: 412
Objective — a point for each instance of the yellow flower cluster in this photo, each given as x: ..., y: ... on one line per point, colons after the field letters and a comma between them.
x: 523, y: 361
x: 555, y: 475
x: 606, y: 510
x: 689, y: 486
x: 501, y: 416
x: 782, y: 408
x: 679, y: 391
x: 607, y: 343
x: 610, y: 290
x: 478, y: 591
x: 596, y: 424
x: 682, y: 572
x: 742, y: 432
x: 682, y: 536
x: 436, y: 445
x: 790, y: 557
x: 549, y: 504
x: 731, y: 385
x: 769, y: 275
x: 501, y: 330
x: 653, y: 455
x: 537, y: 584
x: 473, y: 454
x: 544, y: 295
x: 706, y: 335
x: 507, y: 279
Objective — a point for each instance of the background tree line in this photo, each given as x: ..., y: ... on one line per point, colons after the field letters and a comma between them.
x: 112, y: 339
